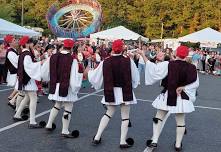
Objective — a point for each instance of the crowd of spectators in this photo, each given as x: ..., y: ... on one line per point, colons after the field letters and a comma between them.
x: 208, y: 62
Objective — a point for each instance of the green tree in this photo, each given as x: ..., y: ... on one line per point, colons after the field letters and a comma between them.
x: 142, y: 16
x: 7, y: 12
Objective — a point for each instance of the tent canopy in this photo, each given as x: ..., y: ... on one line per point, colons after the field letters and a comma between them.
x: 119, y: 32
x: 14, y: 29
x: 207, y: 35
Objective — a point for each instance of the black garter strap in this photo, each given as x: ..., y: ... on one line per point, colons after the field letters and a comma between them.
x: 107, y: 116
x: 56, y: 108
x: 67, y: 112
x: 66, y: 116
x: 21, y: 95
x: 181, y: 126
x: 155, y: 120
x: 129, y: 124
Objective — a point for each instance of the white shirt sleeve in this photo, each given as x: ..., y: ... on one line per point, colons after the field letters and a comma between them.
x: 13, y: 58
x: 75, y: 77
x: 45, y: 71
x: 33, y: 69
x: 155, y: 72
x: 95, y: 76
x: 135, y: 74
x: 190, y: 89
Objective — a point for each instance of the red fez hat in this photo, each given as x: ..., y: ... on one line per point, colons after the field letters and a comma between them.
x: 68, y: 43
x: 117, y: 46
x: 182, y: 51
x: 23, y: 40
x: 8, y: 38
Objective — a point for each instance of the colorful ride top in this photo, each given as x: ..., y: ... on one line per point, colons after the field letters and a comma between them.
x: 74, y: 18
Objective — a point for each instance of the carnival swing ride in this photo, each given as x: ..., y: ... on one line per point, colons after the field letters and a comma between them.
x: 74, y: 18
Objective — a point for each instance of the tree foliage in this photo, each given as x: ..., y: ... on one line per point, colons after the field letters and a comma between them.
x: 7, y: 12
x: 143, y: 16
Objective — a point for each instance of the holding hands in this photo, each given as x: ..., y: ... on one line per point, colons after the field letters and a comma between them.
x: 179, y: 90
x: 141, y: 52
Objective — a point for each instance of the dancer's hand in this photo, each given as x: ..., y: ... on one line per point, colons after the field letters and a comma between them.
x: 179, y: 90
x: 160, y: 56
x: 131, y: 55
x: 141, y: 52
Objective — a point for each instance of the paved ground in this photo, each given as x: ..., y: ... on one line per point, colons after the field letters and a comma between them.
x: 203, y: 125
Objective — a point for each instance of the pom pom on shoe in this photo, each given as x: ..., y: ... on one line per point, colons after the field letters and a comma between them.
x: 26, y: 111
x: 75, y: 133
x: 25, y: 117
x: 42, y: 124
x: 130, y: 141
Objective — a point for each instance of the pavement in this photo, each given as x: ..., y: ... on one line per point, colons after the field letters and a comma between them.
x: 203, y: 125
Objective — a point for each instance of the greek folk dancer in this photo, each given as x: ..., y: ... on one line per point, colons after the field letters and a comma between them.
x: 180, y: 81
x: 65, y: 75
x: 11, y: 64
x: 120, y: 75
x: 28, y: 72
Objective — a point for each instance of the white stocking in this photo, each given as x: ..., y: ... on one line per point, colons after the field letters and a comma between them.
x: 53, y: 114
x: 104, y: 121
x: 20, y: 97
x: 180, y: 121
x: 68, y: 106
x: 33, y: 105
x: 21, y: 107
x: 163, y: 123
x: 157, y: 124
x: 125, y: 112
x: 13, y: 100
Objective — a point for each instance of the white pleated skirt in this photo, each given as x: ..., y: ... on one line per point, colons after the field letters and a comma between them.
x: 118, y: 96
x: 31, y: 86
x: 71, y: 97
x: 183, y: 106
x: 11, y: 79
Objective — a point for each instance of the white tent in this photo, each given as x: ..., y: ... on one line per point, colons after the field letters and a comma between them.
x: 207, y: 35
x: 14, y: 29
x: 119, y: 32
x: 168, y: 43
